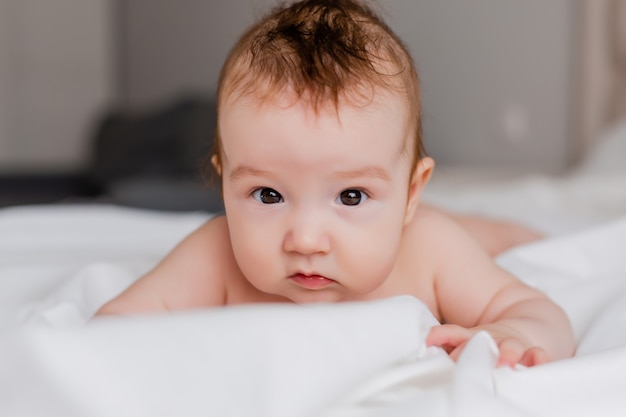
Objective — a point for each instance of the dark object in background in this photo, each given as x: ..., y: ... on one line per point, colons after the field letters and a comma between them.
x: 39, y: 188
x: 155, y: 159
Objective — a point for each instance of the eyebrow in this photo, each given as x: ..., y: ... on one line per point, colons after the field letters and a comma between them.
x: 371, y: 171
x: 244, y: 171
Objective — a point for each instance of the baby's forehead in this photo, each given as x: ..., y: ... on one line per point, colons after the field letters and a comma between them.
x: 361, y: 102
x: 382, y: 119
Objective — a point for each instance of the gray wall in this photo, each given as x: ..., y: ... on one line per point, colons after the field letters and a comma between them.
x: 56, y: 76
x: 173, y: 47
x: 497, y: 75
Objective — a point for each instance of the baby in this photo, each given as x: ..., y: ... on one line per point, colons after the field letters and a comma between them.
x: 319, y: 151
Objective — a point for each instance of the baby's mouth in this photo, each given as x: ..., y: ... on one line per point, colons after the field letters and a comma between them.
x: 311, y: 282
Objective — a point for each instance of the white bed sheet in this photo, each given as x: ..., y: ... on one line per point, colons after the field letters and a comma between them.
x: 354, y: 359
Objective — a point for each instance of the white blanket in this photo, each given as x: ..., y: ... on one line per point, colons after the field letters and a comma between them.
x: 59, y: 264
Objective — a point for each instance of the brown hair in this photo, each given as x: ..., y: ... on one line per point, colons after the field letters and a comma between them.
x: 325, y: 51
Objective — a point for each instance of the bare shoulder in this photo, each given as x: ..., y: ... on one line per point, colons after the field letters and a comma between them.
x: 439, y: 243
x: 464, y: 275
x: 445, y: 241
x: 427, y: 238
x: 192, y: 275
x: 419, y: 255
x: 211, y: 238
x: 430, y: 229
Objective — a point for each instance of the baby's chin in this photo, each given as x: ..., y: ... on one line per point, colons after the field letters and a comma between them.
x: 315, y: 296
x: 335, y: 293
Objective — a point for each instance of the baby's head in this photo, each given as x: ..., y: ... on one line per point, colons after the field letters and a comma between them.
x: 319, y: 149
x: 327, y: 52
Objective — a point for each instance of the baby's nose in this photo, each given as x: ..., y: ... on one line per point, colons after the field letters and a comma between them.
x: 307, y: 235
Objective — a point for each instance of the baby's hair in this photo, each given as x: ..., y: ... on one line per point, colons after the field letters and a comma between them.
x: 325, y: 51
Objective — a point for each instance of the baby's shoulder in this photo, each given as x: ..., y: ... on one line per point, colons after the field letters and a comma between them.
x: 211, y: 242
x: 432, y: 230
x: 431, y: 221
x: 216, y: 228
x: 208, y: 237
x: 219, y: 263
x: 205, y: 251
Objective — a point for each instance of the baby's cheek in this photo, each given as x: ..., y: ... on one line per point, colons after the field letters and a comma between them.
x: 256, y: 252
x: 373, y: 268
x: 251, y: 254
x: 254, y: 269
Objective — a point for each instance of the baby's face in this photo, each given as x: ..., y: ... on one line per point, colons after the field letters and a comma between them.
x: 316, y: 203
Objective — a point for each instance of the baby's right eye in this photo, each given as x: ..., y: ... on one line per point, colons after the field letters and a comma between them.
x: 267, y: 196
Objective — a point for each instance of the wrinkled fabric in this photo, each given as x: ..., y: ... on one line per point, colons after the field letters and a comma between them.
x: 349, y: 359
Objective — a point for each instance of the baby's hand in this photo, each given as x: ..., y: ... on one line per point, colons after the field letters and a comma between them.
x: 453, y: 338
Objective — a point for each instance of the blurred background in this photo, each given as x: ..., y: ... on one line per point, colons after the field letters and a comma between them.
x: 113, y: 100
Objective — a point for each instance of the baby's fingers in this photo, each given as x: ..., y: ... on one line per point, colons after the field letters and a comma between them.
x: 534, y: 356
x: 448, y: 336
x: 512, y: 352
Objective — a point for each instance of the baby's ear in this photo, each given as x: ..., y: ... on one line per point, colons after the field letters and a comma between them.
x: 419, y: 179
x: 216, y: 164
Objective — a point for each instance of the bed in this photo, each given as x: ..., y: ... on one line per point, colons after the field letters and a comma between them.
x: 60, y: 263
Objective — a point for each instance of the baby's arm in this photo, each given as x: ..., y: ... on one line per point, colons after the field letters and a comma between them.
x: 474, y: 294
x: 188, y: 277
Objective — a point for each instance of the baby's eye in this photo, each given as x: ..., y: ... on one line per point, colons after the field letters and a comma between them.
x: 267, y: 196
x: 352, y: 197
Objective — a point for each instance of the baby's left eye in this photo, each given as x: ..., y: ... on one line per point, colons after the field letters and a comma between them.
x: 352, y: 197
